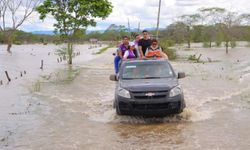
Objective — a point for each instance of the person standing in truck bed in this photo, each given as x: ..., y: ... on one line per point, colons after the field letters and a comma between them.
x: 120, y: 52
x: 144, y: 43
x: 155, y: 51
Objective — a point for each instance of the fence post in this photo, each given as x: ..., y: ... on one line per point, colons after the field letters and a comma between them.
x: 41, y: 65
x: 7, y: 75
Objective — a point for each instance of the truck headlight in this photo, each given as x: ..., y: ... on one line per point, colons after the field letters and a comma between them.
x: 124, y: 93
x: 175, y: 91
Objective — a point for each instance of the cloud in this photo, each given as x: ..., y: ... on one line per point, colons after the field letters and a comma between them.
x: 145, y: 12
x: 184, y: 3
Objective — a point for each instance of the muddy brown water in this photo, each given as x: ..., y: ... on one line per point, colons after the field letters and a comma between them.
x: 72, y: 108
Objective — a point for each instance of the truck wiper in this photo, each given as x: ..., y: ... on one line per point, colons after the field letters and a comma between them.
x: 143, y: 78
x: 128, y: 78
x: 152, y: 77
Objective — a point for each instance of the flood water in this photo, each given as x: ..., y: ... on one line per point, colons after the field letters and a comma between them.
x: 64, y: 107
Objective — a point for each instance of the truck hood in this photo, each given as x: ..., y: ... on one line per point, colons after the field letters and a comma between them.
x: 138, y: 85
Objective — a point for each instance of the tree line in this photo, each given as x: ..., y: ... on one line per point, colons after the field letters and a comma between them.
x: 20, y: 37
x: 213, y: 26
x: 209, y: 25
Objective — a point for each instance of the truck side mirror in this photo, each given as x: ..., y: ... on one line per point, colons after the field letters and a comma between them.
x: 181, y: 75
x: 113, y: 77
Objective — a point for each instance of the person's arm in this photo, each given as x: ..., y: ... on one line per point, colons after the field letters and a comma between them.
x: 125, y: 57
x: 140, y: 49
x: 120, y: 54
x: 163, y: 55
x: 146, y: 54
x: 141, y: 52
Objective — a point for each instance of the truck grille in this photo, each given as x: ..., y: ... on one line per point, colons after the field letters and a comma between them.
x: 168, y: 105
x: 150, y: 95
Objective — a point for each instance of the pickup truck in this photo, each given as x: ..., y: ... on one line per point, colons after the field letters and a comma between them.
x: 148, y: 88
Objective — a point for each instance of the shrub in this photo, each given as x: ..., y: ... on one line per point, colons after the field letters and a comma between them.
x: 171, y: 53
x: 192, y: 57
x: 206, y: 44
x: 232, y: 44
x: 165, y: 44
x: 17, y: 42
x: 218, y: 43
x: 248, y: 44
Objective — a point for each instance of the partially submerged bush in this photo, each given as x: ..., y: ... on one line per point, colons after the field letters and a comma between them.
x: 66, y: 52
x: 192, y: 57
x: 17, y: 42
x: 206, y: 45
x: 195, y: 58
x: 232, y: 44
x: 248, y: 44
x: 165, y: 44
x: 171, y: 53
x: 218, y: 43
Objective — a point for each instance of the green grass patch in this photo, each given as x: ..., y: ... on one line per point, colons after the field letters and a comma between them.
x: 104, y: 49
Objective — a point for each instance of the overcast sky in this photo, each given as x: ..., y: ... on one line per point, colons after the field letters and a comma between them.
x: 145, y: 12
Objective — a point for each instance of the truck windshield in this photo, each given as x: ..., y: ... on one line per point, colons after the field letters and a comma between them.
x: 149, y: 70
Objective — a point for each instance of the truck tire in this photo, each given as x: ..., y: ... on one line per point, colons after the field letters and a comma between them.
x: 118, y: 112
x: 180, y: 110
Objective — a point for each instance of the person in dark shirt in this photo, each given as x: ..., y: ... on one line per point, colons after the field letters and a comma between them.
x: 144, y: 43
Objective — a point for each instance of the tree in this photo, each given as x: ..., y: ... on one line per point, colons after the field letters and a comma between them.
x: 197, y: 33
x: 116, y: 32
x: 245, y: 22
x: 210, y: 17
x: 228, y: 26
x: 10, y: 19
x: 176, y: 32
x: 190, y: 21
x: 72, y: 15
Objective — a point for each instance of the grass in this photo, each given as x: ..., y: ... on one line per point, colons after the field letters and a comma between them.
x: 103, y: 49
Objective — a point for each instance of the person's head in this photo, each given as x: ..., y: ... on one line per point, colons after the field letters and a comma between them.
x: 154, y: 43
x: 137, y: 38
x: 131, y: 45
x: 145, y: 34
x: 125, y: 40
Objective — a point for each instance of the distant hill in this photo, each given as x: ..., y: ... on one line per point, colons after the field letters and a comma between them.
x: 110, y: 28
x: 43, y: 32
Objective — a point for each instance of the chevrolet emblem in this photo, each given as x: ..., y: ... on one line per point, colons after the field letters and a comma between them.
x: 150, y: 94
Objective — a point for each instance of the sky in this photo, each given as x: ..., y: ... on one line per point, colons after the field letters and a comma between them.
x: 145, y: 12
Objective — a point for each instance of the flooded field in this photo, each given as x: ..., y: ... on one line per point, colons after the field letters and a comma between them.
x: 70, y: 108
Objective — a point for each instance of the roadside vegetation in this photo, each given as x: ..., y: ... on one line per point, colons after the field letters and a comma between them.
x: 167, y: 47
x: 214, y: 27
x: 104, y: 49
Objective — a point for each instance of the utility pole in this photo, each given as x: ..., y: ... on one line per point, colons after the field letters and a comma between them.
x: 158, y: 20
x: 139, y: 26
x: 129, y: 28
